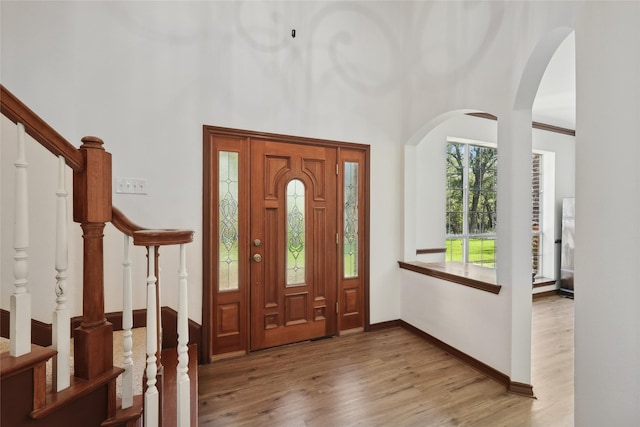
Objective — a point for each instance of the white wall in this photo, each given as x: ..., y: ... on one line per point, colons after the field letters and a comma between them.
x: 386, y: 226
x: 473, y: 321
x: 607, y: 278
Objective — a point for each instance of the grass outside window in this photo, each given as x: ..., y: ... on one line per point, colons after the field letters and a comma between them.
x: 481, y: 251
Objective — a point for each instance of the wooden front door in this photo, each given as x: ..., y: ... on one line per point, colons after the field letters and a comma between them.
x: 285, y: 246
x: 293, y: 243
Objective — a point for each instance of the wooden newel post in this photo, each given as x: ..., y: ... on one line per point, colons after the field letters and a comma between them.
x: 93, y: 340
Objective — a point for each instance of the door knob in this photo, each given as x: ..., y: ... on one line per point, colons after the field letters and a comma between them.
x: 257, y: 242
x: 257, y: 257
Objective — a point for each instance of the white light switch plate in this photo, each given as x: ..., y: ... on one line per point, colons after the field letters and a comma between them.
x: 131, y: 186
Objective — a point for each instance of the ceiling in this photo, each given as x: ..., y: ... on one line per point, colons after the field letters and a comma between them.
x: 555, y: 102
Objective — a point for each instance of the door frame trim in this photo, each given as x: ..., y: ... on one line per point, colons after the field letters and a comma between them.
x: 209, y: 281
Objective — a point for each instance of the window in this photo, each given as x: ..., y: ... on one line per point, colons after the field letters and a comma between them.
x: 228, y: 268
x: 472, y: 174
x: 351, y: 225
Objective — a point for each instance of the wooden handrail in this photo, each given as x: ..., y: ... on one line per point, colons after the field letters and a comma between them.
x: 122, y: 223
x: 162, y: 237
x: 146, y: 237
x: 39, y: 130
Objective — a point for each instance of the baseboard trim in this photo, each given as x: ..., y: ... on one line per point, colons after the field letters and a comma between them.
x: 521, y: 389
x: 499, y: 377
x: 538, y: 295
x: 5, y: 317
x: 40, y: 331
x: 384, y: 325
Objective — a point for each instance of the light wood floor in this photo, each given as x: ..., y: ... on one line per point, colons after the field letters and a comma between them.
x: 389, y: 378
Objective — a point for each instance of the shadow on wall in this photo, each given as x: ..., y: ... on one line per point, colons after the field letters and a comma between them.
x: 363, y: 48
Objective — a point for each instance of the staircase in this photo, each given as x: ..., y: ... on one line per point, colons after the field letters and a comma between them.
x: 87, y: 396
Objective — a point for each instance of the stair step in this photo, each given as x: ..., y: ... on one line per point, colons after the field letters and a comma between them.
x: 130, y: 417
x: 51, y: 401
x: 78, y: 389
x: 10, y: 365
x: 26, y: 372
x: 29, y: 401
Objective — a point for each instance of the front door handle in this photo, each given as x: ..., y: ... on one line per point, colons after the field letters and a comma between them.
x: 257, y: 257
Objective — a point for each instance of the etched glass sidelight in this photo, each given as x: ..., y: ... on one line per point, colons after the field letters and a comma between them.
x: 350, y: 246
x: 295, y: 233
x: 228, y: 221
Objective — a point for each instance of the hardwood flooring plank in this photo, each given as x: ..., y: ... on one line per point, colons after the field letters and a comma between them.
x: 390, y: 377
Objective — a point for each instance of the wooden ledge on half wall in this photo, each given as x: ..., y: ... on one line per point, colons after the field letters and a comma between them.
x: 474, y: 276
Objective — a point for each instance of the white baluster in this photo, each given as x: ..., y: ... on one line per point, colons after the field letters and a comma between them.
x: 20, y: 301
x: 60, y: 333
x: 183, y: 386
x: 127, y: 324
x: 151, y: 397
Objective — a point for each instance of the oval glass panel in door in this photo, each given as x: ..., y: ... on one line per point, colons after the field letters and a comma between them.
x: 295, y: 255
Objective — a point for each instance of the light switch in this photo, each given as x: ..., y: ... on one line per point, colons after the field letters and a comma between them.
x: 131, y: 186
